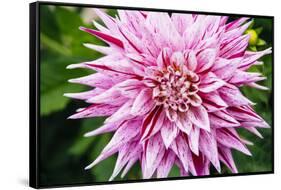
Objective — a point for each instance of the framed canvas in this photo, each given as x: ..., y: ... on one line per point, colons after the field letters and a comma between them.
x: 123, y: 94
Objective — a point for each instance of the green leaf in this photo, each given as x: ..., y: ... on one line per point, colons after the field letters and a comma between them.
x: 261, y: 42
x: 68, y: 20
x: 253, y: 48
x: 259, y: 30
x: 82, y: 144
x: 48, y: 24
x: 54, y: 45
x: 54, y: 83
x: 104, y: 169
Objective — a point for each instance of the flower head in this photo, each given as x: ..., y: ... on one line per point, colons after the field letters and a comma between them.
x: 169, y: 86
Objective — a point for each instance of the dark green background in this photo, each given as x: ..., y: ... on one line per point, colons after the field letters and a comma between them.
x: 64, y: 152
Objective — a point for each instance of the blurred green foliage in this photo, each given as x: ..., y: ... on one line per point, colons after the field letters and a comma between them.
x: 64, y: 152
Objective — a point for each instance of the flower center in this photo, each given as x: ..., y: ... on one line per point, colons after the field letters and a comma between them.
x: 177, y: 88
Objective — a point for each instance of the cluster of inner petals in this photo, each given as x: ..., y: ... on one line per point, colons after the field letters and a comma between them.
x: 177, y: 88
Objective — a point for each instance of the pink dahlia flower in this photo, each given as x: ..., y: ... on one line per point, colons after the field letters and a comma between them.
x: 169, y: 87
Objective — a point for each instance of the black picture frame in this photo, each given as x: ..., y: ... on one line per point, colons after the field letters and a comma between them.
x: 34, y: 93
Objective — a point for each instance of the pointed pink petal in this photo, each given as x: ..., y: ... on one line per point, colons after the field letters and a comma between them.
x: 102, y: 49
x: 191, y: 61
x: 168, y: 132
x: 134, y: 20
x: 254, y: 131
x: 163, y: 60
x: 241, y: 77
x: 95, y: 80
x: 123, y: 113
x: 206, y: 59
x: 225, y: 68
x: 193, y: 140
x: 231, y: 140
x: 130, y: 163
x: 132, y: 41
x: 235, y: 48
x: 210, y: 82
x: 126, y: 153
x: 260, y: 124
x: 124, y: 134
x: 107, y: 96
x: 120, y: 66
x: 85, y: 95
x: 129, y: 88
x: 199, y: 117
x: 160, y: 24
x: 202, y: 165
x: 181, y: 149
x: 152, y: 123
x: 95, y: 110
x: 182, y: 21
x: 233, y: 97
x: 212, y: 101
x: 236, y: 23
x: 250, y: 58
x: 193, y: 34
x: 109, y: 22
x: 183, y: 123
x: 245, y: 114
x: 230, y: 35
x: 181, y: 168
x: 154, y: 153
x: 222, y: 119
x: 105, y: 37
x: 257, y: 86
x: 208, y: 146
x: 166, y: 164
x: 226, y: 157
x: 143, y: 103
x: 108, y: 127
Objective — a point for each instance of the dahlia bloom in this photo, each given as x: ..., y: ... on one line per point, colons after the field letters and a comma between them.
x: 169, y: 87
